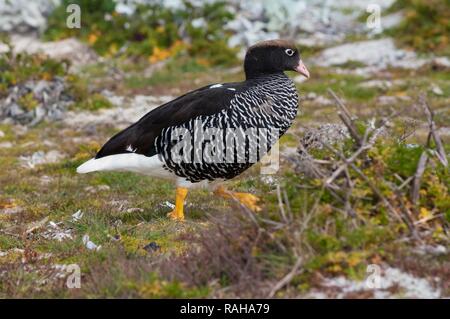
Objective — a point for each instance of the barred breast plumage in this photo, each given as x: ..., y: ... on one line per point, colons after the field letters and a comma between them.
x: 267, y: 104
x: 212, y: 133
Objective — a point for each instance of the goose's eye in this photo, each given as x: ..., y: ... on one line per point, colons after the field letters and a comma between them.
x: 289, y: 52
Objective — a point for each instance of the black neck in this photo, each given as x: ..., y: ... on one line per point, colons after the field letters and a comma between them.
x: 258, y: 75
x: 253, y: 74
x: 255, y: 67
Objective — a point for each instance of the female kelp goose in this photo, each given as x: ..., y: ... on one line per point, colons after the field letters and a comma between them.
x: 212, y: 133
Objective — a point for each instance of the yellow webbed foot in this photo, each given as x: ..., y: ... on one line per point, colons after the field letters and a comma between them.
x: 174, y: 215
x: 248, y: 200
x: 178, y: 212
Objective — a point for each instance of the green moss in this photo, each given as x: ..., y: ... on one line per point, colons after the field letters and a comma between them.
x: 94, y: 102
x: 345, y: 85
x: 403, y: 160
x: 24, y: 67
x: 425, y: 26
x: 9, y: 242
x: 351, y: 64
x: 288, y: 140
x: 133, y: 245
x: 175, y: 289
x: 28, y: 102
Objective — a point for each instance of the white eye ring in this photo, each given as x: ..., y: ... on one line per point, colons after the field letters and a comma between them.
x: 289, y: 52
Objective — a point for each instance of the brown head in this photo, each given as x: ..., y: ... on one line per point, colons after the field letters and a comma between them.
x: 273, y: 56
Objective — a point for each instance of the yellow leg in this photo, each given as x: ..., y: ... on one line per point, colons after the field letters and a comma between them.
x: 246, y: 199
x: 177, y: 213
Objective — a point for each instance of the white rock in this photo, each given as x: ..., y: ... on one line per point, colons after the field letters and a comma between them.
x: 72, y: 49
x: 310, y: 96
x: 95, y: 189
x: 442, y: 62
x: 41, y: 157
x: 380, y: 53
x: 127, y: 111
x: 199, y: 23
x: 6, y: 145
x: 168, y: 204
x: 123, y: 8
x: 410, y: 286
x: 436, y: 89
x: 299, y: 79
x: 134, y: 210
x: 89, y: 244
x: 380, y: 84
x: 389, y: 100
x: 321, y: 100
x: 392, y: 20
x: 320, y: 22
x: 431, y: 250
x: 77, y: 216
x: 54, y: 231
x: 24, y: 15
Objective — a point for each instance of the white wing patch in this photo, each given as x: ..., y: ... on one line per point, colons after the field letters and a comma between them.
x: 231, y: 89
x: 216, y: 86
x: 131, y: 149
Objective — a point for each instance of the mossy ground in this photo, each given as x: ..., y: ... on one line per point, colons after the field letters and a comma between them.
x: 129, y: 212
x: 217, y: 251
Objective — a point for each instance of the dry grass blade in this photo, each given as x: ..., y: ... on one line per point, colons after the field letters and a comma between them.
x: 345, y: 116
x: 286, y: 279
x: 280, y: 203
x: 418, y: 177
x: 433, y: 132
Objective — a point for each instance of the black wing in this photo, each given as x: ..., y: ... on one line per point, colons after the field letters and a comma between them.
x: 141, y: 135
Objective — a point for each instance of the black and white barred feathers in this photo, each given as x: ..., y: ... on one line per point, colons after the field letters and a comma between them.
x: 214, y: 132
x: 258, y: 114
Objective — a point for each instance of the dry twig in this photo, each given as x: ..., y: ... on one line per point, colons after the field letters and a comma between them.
x: 440, y: 151
x: 286, y: 279
x: 345, y: 116
x: 418, y: 177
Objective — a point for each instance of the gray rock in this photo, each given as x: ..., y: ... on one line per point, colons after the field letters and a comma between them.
x: 379, y: 84
x: 50, y: 95
x: 6, y: 145
x: 408, y: 285
x: 379, y: 54
x: 311, y: 23
x: 390, y: 100
x: 25, y: 16
x: 441, y: 62
x: 40, y: 157
x: 436, y: 89
x: 71, y: 49
x: 127, y: 111
x: 325, y: 134
x: 392, y: 20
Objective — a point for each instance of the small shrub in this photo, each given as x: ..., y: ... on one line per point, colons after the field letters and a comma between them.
x: 425, y: 26
x: 153, y: 31
x: 16, y: 69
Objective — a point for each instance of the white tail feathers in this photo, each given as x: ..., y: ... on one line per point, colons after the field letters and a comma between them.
x: 89, y: 166
x: 129, y: 162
